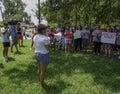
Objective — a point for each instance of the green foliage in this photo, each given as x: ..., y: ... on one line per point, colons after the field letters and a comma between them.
x: 14, y: 9
x: 70, y: 73
x: 81, y: 11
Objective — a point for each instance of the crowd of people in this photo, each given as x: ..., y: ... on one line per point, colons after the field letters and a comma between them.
x: 45, y: 38
x: 13, y: 29
x: 66, y: 38
x: 80, y: 38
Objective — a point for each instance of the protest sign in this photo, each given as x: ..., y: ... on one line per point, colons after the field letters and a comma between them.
x: 77, y: 35
x: 108, y: 37
x: 58, y: 36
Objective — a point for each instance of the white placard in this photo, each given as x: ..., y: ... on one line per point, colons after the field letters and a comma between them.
x: 58, y: 36
x: 77, y: 35
x: 108, y: 37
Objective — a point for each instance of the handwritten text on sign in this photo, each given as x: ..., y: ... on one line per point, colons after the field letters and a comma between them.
x: 108, y: 37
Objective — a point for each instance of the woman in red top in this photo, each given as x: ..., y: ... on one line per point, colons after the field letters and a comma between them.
x: 52, y: 40
x: 20, y: 36
x: 68, y: 39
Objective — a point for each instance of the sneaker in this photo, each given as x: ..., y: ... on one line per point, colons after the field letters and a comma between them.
x: 5, y: 59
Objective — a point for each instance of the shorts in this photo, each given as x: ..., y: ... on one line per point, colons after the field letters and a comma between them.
x: 14, y: 40
x: 6, y: 44
x: 67, y: 41
x: 43, y: 59
x: 20, y: 37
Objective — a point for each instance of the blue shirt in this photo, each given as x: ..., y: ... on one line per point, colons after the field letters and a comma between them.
x: 13, y: 31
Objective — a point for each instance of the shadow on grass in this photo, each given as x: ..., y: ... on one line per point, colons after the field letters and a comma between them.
x: 1, y: 66
x: 23, y: 46
x: 18, y: 75
x: 19, y: 53
x: 105, y: 71
x: 11, y: 59
x: 56, y: 88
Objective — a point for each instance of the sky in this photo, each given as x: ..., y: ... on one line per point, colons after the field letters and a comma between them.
x: 31, y: 5
x: 1, y: 5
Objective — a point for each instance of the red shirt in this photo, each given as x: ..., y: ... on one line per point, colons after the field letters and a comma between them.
x: 68, y: 34
x: 51, y: 33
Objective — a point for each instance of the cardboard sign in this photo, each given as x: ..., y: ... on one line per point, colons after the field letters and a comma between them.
x: 77, y: 35
x: 58, y: 36
x: 108, y: 37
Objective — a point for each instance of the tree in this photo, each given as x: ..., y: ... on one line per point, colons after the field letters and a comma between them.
x: 81, y: 11
x: 14, y: 9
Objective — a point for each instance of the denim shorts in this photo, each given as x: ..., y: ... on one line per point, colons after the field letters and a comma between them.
x: 6, y: 44
x: 43, y: 59
x: 67, y: 41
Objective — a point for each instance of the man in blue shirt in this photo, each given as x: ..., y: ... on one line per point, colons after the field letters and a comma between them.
x: 13, y: 33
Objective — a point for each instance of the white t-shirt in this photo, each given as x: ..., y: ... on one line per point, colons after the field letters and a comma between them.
x: 85, y: 34
x: 77, y: 34
x: 5, y: 37
x: 39, y: 42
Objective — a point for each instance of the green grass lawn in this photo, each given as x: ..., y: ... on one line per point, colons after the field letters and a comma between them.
x: 71, y: 73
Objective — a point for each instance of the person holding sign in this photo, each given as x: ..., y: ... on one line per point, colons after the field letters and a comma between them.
x: 68, y: 39
x: 78, y: 38
x: 108, y: 46
x: 51, y: 34
x: 97, y: 40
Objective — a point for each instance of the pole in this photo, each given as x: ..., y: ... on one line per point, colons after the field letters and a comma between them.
x: 1, y: 12
x: 39, y: 11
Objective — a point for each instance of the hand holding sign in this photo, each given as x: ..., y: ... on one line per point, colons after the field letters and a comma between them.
x: 108, y: 37
x: 77, y: 35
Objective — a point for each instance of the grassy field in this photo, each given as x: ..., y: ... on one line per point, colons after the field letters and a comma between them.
x: 71, y: 73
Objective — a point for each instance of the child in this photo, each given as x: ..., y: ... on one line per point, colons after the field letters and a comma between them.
x: 5, y: 40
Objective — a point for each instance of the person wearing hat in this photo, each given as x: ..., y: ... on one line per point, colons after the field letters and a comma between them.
x: 41, y: 44
x: 5, y: 40
x: 108, y: 46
